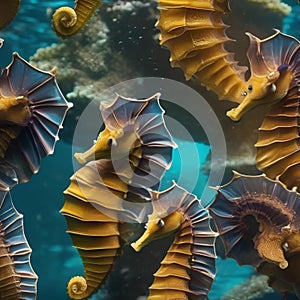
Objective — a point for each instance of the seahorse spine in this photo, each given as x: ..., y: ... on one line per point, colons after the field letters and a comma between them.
x: 17, y: 278
x: 278, y: 152
x: 68, y: 21
x: 195, y: 35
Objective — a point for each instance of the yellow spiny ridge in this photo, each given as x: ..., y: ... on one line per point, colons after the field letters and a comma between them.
x: 194, y: 32
x: 278, y: 152
x: 68, y: 21
x: 10, y: 281
x: 171, y: 281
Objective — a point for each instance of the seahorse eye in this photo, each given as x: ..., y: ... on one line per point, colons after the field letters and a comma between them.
x: 273, y: 88
x: 285, y: 246
x: 250, y: 87
x: 160, y: 223
x: 111, y: 142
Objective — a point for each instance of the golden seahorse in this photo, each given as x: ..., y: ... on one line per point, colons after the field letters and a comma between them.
x: 32, y: 110
x: 68, y: 21
x: 129, y: 157
x: 194, y: 32
x: 8, y: 11
x: 258, y: 220
x: 17, y: 278
x: 188, y: 269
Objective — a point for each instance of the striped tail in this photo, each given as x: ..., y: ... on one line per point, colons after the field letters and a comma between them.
x: 17, y: 278
x: 68, y: 21
x: 97, y: 238
x: 91, y: 211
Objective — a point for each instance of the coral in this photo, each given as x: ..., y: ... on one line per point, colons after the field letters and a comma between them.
x: 274, y: 5
x: 82, y: 55
x: 254, y: 288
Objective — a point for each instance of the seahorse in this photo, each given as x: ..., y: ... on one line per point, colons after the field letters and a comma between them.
x: 195, y: 35
x: 67, y: 21
x: 8, y: 11
x: 17, y: 278
x: 258, y: 220
x: 32, y: 110
x: 188, y: 269
x: 129, y: 157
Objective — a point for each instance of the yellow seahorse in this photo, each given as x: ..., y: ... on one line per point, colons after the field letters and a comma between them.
x: 188, y: 269
x: 68, y: 21
x: 194, y: 32
x: 258, y: 220
x: 129, y: 157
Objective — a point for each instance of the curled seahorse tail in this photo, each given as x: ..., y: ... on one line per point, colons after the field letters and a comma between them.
x: 68, y: 21
x: 96, y: 237
x: 195, y: 34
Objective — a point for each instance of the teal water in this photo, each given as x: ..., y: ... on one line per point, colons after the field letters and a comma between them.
x: 53, y: 258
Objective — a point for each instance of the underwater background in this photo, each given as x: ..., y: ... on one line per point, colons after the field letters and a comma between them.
x: 53, y: 258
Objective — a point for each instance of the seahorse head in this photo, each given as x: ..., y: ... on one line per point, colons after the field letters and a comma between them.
x: 267, y: 89
x: 14, y: 110
x: 157, y: 228
x: 272, y: 63
x: 106, y: 141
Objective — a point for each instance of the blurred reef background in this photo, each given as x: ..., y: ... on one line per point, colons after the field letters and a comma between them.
x: 118, y: 44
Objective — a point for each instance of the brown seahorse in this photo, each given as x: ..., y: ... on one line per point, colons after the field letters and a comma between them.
x: 258, y: 220
x: 129, y: 157
x: 8, y: 11
x: 32, y: 110
x: 188, y: 269
x: 68, y: 21
x: 17, y: 278
x: 194, y: 32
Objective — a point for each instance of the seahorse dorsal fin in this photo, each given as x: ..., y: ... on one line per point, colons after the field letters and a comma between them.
x: 267, y: 55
